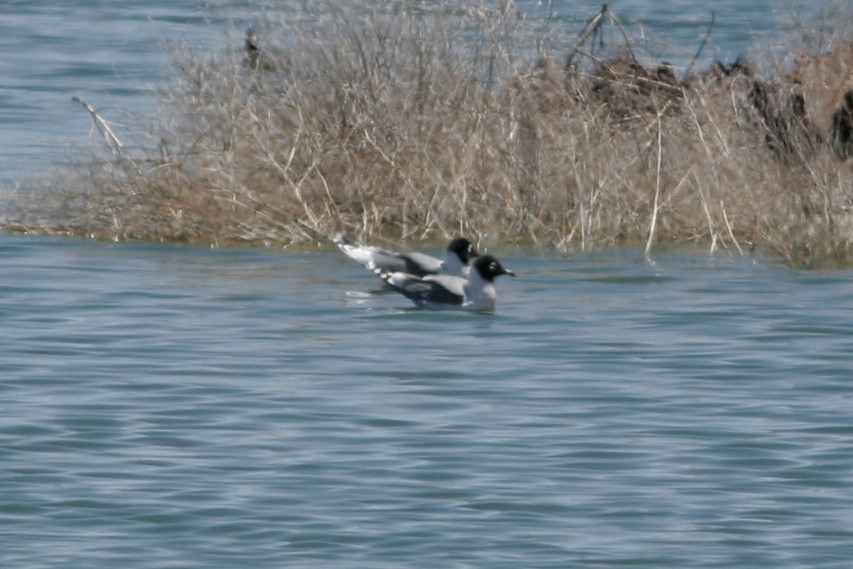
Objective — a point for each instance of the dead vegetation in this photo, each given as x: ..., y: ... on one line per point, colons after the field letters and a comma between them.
x: 396, y: 124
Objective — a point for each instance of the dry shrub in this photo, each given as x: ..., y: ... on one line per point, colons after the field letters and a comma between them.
x: 395, y: 122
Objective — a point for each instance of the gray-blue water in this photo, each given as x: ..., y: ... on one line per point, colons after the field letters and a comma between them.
x: 174, y: 407
x: 111, y: 54
x: 178, y: 407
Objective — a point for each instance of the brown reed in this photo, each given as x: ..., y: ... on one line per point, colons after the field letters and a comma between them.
x: 398, y: 123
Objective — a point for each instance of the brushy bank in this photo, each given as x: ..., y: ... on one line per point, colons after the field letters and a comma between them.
x: 394, y: 122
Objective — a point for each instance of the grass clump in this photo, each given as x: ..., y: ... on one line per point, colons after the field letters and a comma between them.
x: 400, y: 121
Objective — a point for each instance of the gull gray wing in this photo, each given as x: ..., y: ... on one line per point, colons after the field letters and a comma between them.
x: 420, y: 264
x: 432, y: 291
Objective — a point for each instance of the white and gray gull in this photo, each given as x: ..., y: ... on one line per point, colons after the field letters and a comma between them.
x: 438, y: 292
x: 456, y: 258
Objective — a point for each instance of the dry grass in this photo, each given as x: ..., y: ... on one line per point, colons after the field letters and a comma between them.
x: 396, y: 124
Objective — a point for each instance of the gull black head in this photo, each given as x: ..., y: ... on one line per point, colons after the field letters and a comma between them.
x: 489, y: 267
x: 463, y: 248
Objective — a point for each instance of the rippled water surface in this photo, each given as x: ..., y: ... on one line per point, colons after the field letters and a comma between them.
x: 112, y: 54
x: 163, y: 406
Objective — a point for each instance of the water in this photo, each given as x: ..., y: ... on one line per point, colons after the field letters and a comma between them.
x: 164, y: 406
x: 177, y: 407
x: 111, y: 55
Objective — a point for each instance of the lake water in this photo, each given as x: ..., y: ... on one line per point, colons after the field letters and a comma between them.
x: 165, y: 406
x: 173, y: 407
x: 111, y: 55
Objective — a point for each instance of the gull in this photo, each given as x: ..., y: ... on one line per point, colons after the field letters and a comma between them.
x: 439, y: 292
x: 456, y: 258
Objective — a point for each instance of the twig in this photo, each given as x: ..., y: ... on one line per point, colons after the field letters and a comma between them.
x: 657, y: 189
x: 593, y: 25
x: 729, y: 227
x: 711, y: 229
x: 701, y: 45
x: 624, y: 35
x: 103, y: 126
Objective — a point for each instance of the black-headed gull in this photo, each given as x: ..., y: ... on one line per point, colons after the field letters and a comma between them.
x: 437, y: 292
x: 456, y: 258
